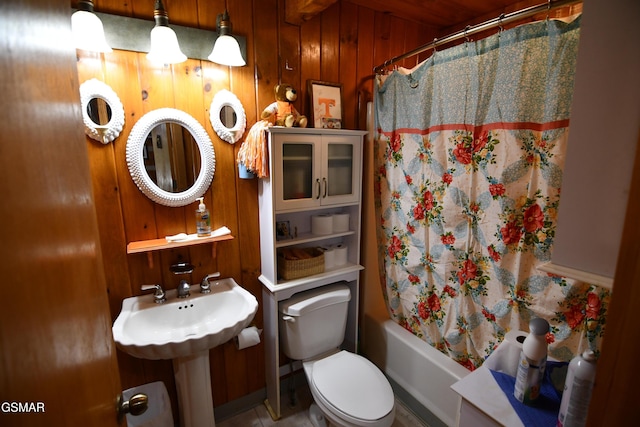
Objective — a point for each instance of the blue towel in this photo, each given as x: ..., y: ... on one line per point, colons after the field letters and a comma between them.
x: 545, y: 411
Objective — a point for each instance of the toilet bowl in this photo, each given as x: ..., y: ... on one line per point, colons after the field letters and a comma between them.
x: 347, y: 388
x: 350, y: 390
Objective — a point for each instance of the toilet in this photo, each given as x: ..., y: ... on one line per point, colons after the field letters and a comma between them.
x: 347, y: 389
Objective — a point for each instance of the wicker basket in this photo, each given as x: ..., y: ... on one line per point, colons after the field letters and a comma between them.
x: 289, y: 269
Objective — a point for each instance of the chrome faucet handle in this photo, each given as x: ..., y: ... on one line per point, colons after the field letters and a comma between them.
x: 205, y: 286
x: 158, y: 296
x: 183, y: 289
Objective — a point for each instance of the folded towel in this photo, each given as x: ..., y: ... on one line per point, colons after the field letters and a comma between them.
x: 545, y: 411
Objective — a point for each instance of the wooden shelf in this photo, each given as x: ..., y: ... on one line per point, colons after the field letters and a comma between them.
x: 148, y: 246
x: 159, y: 244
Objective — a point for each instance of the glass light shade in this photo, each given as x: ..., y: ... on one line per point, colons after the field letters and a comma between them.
x: 164, y: 46
x: 226, y: 51
x: 88, y: 32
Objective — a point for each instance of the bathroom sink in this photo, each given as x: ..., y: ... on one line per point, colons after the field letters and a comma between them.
x: 183, y: 327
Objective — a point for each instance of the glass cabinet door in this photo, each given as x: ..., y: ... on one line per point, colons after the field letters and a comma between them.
x: 340, y: 177
x: 339, y: 169
x: 297, y: 168
x: 296, y: 183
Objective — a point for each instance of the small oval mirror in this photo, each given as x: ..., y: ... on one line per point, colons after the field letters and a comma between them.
x: 188, y: 161
x: 227, y: 116
x: 102, y: 111
x: 99, y: 111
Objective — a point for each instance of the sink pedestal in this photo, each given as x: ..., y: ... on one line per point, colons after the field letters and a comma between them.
x: 193, y: 383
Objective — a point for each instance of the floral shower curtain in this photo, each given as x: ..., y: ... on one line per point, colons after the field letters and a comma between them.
x: 470, y: 149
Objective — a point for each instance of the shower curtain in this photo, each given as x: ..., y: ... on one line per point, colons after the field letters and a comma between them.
x: 469, y: 154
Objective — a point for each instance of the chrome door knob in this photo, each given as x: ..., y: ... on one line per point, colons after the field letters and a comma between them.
x: 136, y: 405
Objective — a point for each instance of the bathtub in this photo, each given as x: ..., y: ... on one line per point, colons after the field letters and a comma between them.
x: 420, y: 375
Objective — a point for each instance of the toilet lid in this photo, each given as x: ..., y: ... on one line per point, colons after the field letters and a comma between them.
x: 353, y: 385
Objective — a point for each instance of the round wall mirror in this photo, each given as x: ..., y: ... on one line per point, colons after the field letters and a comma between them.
x: 102, y: 111
x: 170, y: 157
x: 227, y: 116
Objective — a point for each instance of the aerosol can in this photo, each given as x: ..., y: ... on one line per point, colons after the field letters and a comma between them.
x: 577, y: 390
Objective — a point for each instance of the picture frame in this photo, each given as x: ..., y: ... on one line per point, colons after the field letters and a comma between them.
x: 283, y: 230
x: 326, y: 104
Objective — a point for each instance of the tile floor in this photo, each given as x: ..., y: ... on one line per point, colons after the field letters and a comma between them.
x: 296, y: 415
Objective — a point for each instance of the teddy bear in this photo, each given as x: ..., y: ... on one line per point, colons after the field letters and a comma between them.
x: 283, y: 110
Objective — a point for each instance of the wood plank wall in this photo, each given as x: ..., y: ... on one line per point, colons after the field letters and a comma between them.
x: 342, y: 44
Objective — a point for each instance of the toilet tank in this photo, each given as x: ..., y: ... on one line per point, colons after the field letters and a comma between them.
x: 313, y: 322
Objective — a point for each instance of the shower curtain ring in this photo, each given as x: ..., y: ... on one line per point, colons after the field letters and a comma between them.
x: 500, y: 18
x: 435, y: 44
x: 466, y: 36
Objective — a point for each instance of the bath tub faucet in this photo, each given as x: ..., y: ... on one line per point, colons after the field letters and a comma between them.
x: 183, y: 289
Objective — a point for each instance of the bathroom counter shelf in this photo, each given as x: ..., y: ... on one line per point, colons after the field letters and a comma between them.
x: 310, y: 238
x: 148, y: 246
x: 284, y: 289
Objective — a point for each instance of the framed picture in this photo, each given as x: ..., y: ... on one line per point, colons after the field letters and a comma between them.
x: 283, y: 230
x: 326, y: 104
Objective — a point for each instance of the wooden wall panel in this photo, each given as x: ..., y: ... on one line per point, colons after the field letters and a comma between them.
x: 342, y: 44
x: 330, y: 44
x: 310, y: 37
x: 348, y: 66
x: 364, y: 60
x: 289, y: 45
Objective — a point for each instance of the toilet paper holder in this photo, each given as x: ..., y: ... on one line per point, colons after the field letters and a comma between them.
x: 248, y: 337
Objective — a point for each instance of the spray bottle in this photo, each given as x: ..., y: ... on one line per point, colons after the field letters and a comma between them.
x: 533, y: 360
x: 203, y: 220
x: 577, y: 390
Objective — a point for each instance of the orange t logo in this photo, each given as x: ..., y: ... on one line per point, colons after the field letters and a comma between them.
x: 327, y: 102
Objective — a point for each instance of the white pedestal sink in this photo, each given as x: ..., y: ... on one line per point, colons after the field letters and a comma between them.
x: 184, y: 330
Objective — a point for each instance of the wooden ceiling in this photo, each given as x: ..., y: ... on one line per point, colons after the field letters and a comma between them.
x: 440, y: 14
x: 445, y: 13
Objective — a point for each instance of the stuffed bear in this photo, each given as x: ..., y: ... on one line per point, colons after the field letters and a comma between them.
x: 283, y: 110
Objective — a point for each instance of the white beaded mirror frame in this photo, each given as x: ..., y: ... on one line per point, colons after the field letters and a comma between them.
x: 94, y: 90
x: 136, y: 160
x: 227, y: 116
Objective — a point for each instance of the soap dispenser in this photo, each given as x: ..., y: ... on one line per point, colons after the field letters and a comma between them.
x: 203, y: 220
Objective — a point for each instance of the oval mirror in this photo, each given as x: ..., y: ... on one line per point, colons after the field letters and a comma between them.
x: 227, y: 116
x: 170, y: 157
x: 102, y: 111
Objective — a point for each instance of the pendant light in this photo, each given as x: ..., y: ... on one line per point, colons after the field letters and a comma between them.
x: 226, y: 50
x: 164, y: 42
x: 87, y: 29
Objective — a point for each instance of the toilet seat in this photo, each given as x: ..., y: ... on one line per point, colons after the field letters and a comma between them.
x: 352, y: 389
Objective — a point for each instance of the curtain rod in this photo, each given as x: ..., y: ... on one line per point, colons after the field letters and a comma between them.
x: 470, y: 30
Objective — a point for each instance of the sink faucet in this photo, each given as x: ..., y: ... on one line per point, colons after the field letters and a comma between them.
x: 158, y: 296
x: 183, y: 289
x: 205, y: 286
